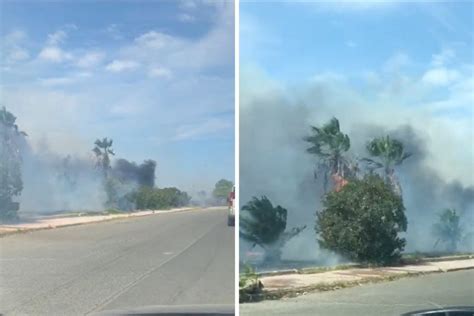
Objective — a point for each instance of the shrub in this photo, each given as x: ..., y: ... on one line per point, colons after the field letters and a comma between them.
x: 362, y: 222
x: 155, y: 198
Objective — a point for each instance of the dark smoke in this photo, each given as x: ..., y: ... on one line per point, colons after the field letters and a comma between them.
x: 142, y: 175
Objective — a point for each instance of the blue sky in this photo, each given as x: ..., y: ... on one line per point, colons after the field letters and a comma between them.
x: 156, y: 76
x: 389, y: 63
x: 351, y: 37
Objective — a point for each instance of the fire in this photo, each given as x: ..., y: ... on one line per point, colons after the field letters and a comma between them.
x: 339, y: 182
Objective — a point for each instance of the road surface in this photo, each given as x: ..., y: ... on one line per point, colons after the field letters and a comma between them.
x: 184, y: 258
x: 389, y: 298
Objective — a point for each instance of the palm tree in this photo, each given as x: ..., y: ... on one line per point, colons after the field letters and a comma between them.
x: 389, y: 153
x: 448, y: 230
x: 329, y: 144
x: 102, y: 150
x: 264, y: 225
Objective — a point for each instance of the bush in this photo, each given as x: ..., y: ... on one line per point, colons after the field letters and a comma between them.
x: 249, y: 285
x: 362, y: 222
x: 147, y: 198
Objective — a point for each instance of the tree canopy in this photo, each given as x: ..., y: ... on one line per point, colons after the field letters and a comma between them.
x: 329, y: 144
x: 387, y: 153
x: 222, y: 189
x: 102, y: 150
x: 362, y: 221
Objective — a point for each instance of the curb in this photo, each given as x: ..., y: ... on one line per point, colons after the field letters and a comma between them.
x: 19, y: 230
x: 324, y: 287
x: 355, y: 265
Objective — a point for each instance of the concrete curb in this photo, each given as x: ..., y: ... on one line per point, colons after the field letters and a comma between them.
x: 355, y: 265
x: 276, y: 294
x: 23, y: 228
x: 287, y: 283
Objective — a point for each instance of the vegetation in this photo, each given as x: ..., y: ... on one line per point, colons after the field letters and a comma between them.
x: 146, y: 198
x: 362, y: 222
x: 264, y: 225
x: 249, y: 284
x: 11, y: 183
x: 221, y: 190
x: 448, y: 230
x: 329, y: 144
x: 102, y: 150
x: 388, y: 153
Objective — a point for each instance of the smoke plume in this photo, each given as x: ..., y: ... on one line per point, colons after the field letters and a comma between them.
x: 274, y: 162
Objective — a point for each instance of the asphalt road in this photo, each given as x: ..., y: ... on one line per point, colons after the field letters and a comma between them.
x: 390, y: 298
x: 184, y: 258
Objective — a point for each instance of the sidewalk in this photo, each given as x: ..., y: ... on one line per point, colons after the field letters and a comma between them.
x: 295, y: 281
x: 54, y: 222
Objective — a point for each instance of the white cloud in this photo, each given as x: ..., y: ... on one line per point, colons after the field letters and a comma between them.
x: 440, y: 76
x: 12, y: 45
x: 188, y: 4
x: 212, y: 126
x: 56, y: 38
x: 186, y: 18
x: 63, y: 81
x: 18, y: 54
x: 57, y: 81
x: 328, y: 77
x: 215, y: 48
x: 113, y: 31
x: 396, y: 62
x: 122, y: 65
x: 156, y: 40
x: 156, y: 72
x: 443, y: 58
x: 90, y: 59
x: 54, y: 54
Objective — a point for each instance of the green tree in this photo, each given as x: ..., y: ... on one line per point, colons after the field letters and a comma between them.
x: 11, y: 183
x: 264, y: 225
x: 448, y: 230
x: 388, y: 153
x: 329, y: 144
x: 222, y: 189
x: 362, y: 221
x: 147, y: 198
